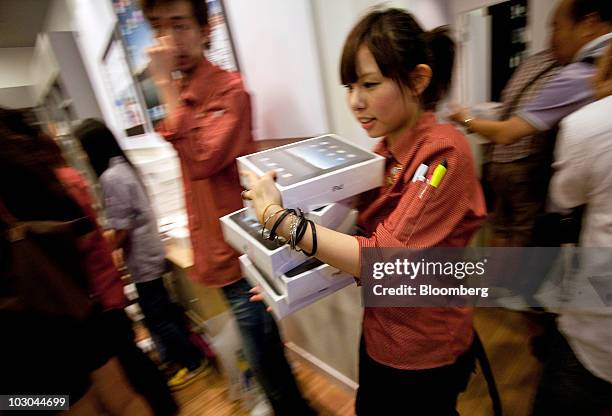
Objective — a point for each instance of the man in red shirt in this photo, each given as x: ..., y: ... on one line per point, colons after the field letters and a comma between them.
x: 209, y: 124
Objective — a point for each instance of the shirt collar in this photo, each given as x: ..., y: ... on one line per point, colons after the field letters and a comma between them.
x: 594, y: 47
x: 196, y: 88
x: 403, y: 149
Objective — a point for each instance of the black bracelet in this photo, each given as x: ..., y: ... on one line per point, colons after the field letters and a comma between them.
x: 301, y: 228
x: 314, y: 237
x: 313, y: 229
x: 272, y: 235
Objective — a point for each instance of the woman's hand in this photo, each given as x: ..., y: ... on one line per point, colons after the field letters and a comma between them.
x: 458, y: 114
x: 263, y: 193
x: 258, y: 297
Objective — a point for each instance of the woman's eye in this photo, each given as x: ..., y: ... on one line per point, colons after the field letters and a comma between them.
x: 348, y: 87
x: 370, y: 85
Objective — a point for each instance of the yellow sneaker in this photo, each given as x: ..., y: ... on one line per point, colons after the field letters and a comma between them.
x: 183, y: 378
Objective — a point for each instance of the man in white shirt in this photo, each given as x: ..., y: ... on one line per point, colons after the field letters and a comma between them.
x: 577, y: 377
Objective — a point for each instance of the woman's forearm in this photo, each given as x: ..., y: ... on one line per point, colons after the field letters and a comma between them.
x: 334, y: 248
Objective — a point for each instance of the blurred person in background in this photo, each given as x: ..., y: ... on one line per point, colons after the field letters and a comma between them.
x: 577, y: 377
x: 518, y: 174
x: 209, y: 124
x: 45, y: 350
x: 130, y: 216
x: 581, y: 29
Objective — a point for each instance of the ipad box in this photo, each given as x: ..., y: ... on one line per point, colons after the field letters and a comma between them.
x: 329, y: 281
x: 316, y: 172
x: 242, y: 231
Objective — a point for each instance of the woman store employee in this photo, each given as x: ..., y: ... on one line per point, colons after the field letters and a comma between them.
x: 395, y: 73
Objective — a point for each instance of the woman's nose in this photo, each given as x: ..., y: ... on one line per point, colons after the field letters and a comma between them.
x: 356, y: 99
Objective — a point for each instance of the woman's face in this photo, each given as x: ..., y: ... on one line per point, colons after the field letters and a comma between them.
x: 377, y: 102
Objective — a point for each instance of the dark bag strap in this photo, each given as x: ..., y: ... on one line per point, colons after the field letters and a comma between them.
x: 487, y: 373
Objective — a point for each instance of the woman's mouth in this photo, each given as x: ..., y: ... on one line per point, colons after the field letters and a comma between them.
x: 366, y: 122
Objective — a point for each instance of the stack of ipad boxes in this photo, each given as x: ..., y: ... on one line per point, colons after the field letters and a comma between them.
x: 321, y: 176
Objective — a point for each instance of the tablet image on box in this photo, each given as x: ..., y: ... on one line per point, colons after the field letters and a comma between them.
x: 251, y: 226
x: 306, y: 160
x: 318, y: 171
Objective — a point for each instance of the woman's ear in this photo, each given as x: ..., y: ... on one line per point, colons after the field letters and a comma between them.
x: 421, y: 77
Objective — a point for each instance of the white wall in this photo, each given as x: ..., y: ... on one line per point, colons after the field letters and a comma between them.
x: 59, y: 16
x: 94, y: 21
x: 43, y: 69
x: 17, y: 74
x: 333, y: 20
x: 430, y: 13
x: 14, y: 67
x: 16, y: 97
x: 462, y: 6
x: 278, y: 58
x: 477, y: 42
x: 539, y: 24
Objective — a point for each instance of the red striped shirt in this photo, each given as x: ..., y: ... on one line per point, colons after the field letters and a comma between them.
x: 213, y: 129
x: 393, y: 216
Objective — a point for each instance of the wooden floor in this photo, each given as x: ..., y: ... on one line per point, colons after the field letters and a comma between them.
x: 505, y: 335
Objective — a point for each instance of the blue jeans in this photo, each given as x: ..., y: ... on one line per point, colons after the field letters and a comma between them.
x: 264, y: 351
x: 165, y: 323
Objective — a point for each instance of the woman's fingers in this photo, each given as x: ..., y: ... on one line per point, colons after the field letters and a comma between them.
x: 257, y: 296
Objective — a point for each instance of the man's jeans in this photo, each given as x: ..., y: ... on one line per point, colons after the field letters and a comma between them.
x: 264, y: 351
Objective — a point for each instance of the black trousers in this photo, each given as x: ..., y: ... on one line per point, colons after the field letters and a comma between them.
x: 141, y: 372
x: 568, y: 388
x: 389, y: 391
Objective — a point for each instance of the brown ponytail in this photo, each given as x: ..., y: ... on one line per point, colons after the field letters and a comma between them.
x: 442, y: 52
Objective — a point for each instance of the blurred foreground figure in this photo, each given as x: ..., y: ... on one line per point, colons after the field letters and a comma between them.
x: 577, y: 376
x: 59, y: 298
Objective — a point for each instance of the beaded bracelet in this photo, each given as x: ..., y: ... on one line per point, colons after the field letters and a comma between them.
x: 293, y: 231
x: 297, y: 229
